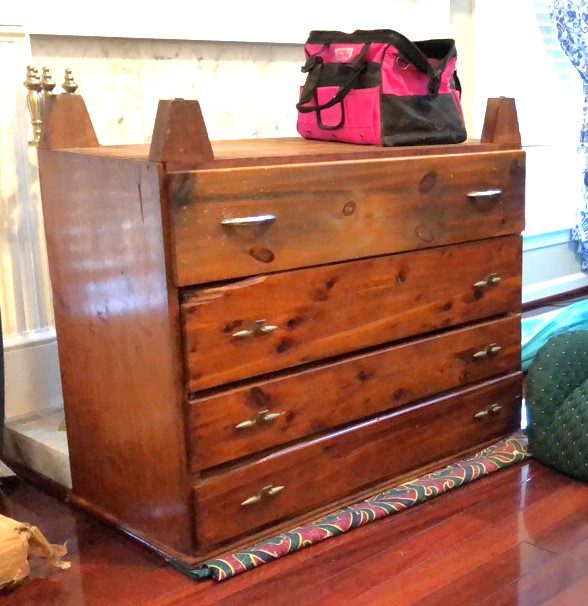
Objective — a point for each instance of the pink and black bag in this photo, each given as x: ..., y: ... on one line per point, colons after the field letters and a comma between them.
x: 377, y: 87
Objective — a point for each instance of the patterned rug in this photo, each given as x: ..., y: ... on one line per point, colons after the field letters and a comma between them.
x: 507, y: 452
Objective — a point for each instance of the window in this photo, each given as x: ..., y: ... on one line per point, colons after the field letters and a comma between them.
x: 517, y: 53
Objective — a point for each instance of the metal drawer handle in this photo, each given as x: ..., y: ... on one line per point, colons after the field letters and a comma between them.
x: 486, y: 195
x: 249, y: 221
x: 263, y: 416
x: 483, y: 414
x: 259, y: 328
x: 490, y: 280
x: 266, y: 491
x: 490, y: 350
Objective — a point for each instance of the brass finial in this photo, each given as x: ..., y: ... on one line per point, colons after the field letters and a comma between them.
x: 69, y: 84
x: 34, y: 86
x: 47, y: 81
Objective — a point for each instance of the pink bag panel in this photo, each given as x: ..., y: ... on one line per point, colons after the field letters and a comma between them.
x: 399, y: 78
x: 346, y: 53
x: 362, y: 117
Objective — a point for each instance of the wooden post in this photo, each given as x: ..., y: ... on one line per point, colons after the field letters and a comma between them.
x: 179, y: 134
x: 501, y: 125
x: 66, y: 123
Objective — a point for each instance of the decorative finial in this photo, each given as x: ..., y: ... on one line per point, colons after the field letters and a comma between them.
x: 47, y: 81
x: 34, y: 86
x: 69, y: 84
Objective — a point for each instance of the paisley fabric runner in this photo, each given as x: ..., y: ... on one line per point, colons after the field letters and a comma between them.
x: 508, y: 451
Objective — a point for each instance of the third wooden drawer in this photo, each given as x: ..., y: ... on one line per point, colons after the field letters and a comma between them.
x: 265, y: 414
x: 304, y: 477
x: 267, y: 323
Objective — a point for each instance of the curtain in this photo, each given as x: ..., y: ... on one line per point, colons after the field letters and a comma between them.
x: 571, y: 20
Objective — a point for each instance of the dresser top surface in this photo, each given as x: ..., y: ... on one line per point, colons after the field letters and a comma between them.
x: 258, y: 152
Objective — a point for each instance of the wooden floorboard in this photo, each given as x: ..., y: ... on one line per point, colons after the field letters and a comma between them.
x: 517, y: 537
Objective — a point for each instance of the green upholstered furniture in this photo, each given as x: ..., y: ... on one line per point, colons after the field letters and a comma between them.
x: 557, y: 402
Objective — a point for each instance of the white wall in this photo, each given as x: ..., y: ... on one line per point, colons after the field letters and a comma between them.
x: 235, y: 20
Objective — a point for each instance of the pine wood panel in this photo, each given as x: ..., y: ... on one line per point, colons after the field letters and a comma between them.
x: 324, y: 397
x: 330, y: 310
x: 335, y: 211
x: 338, y: 464
x: 285, y: 150
x: 118, y: 332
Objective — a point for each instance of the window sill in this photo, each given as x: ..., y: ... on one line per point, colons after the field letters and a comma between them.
x: 543, y: 240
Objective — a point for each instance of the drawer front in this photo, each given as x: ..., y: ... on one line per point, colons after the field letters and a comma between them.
x: 310, y: 475
x: 242, y: 222
x: 267, y: 323
x: 249, y: 419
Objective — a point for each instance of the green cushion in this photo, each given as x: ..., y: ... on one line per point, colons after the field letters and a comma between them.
x: 557, y: 403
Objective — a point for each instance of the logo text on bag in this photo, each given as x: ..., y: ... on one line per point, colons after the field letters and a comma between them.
x: 343, y: 54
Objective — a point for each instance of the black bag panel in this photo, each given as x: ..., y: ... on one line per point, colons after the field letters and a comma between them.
x: 421, y: 120
x: 337, y: 74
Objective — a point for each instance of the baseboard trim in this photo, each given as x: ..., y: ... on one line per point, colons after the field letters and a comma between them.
x: 33, y: 380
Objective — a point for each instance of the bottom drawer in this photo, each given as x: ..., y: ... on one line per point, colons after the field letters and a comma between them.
x: 312, y: 474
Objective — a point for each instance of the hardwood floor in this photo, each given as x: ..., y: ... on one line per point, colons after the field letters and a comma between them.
x: 517, y: 537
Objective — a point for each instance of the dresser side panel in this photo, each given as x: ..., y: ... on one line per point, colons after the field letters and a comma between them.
x: 117, y: 324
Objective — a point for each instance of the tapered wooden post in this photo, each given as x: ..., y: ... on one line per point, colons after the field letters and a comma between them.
x: 179, y: 134
x: 66, y: 123
x: 501, y: 124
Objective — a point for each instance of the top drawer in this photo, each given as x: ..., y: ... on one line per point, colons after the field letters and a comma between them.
x: 229, y: 223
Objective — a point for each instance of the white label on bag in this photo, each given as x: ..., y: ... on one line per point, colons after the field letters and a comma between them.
x: 344, y: 54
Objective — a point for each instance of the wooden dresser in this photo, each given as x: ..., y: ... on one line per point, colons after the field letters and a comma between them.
x: 252, y: 333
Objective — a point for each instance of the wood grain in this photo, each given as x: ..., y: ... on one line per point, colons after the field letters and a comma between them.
x: 325, y: 311
x: 337, y: 211
x: 324, y: 397
x: 338, y: 464
x: 179, y: 134
x: 495, y: 541
x: 66, y: 123
x: 117, y: 325
x: 108, y: 568
x: 501, y: 123
x: 235, y: 153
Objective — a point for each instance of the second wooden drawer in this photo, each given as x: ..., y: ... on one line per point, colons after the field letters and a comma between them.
x: 267, y: 323
x: 248, y: 419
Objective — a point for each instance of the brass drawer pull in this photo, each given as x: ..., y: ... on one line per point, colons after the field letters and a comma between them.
x: 264, y: 416
x: 490, y: 280
x: 266, y: 491
x: 489, y: 351
x: 492, y: 410
x: 259, y: 328
x: 255, y: 221
x: 481, y: 415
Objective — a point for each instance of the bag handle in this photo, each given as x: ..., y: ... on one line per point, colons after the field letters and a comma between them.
x: 408, y: 50
x: 312, y: 82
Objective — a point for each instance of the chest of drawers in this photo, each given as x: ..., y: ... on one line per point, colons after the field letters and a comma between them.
x: 252, y: 333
